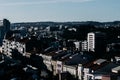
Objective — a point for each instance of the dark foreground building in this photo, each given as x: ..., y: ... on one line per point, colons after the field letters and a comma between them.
x: 4, y: 27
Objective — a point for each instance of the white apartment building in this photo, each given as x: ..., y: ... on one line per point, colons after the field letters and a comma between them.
x: 91, y: 41
x: 96, y: 41
x: 8, y: 45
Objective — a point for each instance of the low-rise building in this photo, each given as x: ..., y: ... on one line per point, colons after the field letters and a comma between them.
x: 98, y: 69
x: 24, y: 45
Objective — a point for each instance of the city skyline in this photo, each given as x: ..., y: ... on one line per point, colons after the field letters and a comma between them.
x: 60, y: 10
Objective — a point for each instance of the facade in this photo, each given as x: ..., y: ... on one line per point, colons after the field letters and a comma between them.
x: 84, y: 46
x: 96, y: 41
x: 71, y: 69
x: 8, y: 45
x: 77, y: 45
x: 54, y: 62
x: 91, y: 41
x: 98, y: 69
x: 47, y: 60
x: 59, y: 67
x: 80, y: 71
x: 4, y: 27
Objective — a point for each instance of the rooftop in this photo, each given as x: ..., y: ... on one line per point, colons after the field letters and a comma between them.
x: 107, y: 68
x: 116, y: 69
x: 79, y: 58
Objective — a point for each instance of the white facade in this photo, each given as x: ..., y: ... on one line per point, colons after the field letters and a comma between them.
x: 80, y: 72
x: 86, y: 71
x: 96, y: 41
x: 91, y: 41
x: 8, y: 45
x: 71, y: 69
x: 47, y: 60
x: 77, y: 45
x: 59, y: 67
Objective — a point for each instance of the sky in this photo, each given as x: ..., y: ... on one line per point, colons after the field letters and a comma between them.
x: 60, y: 10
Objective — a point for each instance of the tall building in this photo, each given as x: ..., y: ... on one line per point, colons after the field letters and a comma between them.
x: 84, y: 46
x: 4, y: 27
x: 96, y: 41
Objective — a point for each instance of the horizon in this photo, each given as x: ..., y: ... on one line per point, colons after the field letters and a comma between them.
x: 60, y: 10
x: 65, y: 21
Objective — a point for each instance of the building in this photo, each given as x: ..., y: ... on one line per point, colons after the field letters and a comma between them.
x: 84, y: 46
x: 96, y: 41
x: 99, y: 70
x: 9, y: 45
x: 71, y: 69
x: 113, y: 47
x: 116, y: 69
x: 4, y: 27
x: 77, y: 45
x: 47, y: 59
x: 24, y: 45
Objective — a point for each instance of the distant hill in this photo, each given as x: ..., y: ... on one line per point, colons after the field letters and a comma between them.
x: 46, y: 24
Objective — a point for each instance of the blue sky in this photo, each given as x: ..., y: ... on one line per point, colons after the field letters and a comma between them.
x: 60, y: 10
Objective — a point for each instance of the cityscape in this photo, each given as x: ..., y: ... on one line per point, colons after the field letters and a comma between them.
x: 60, y: 50
x: 59, y: 40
